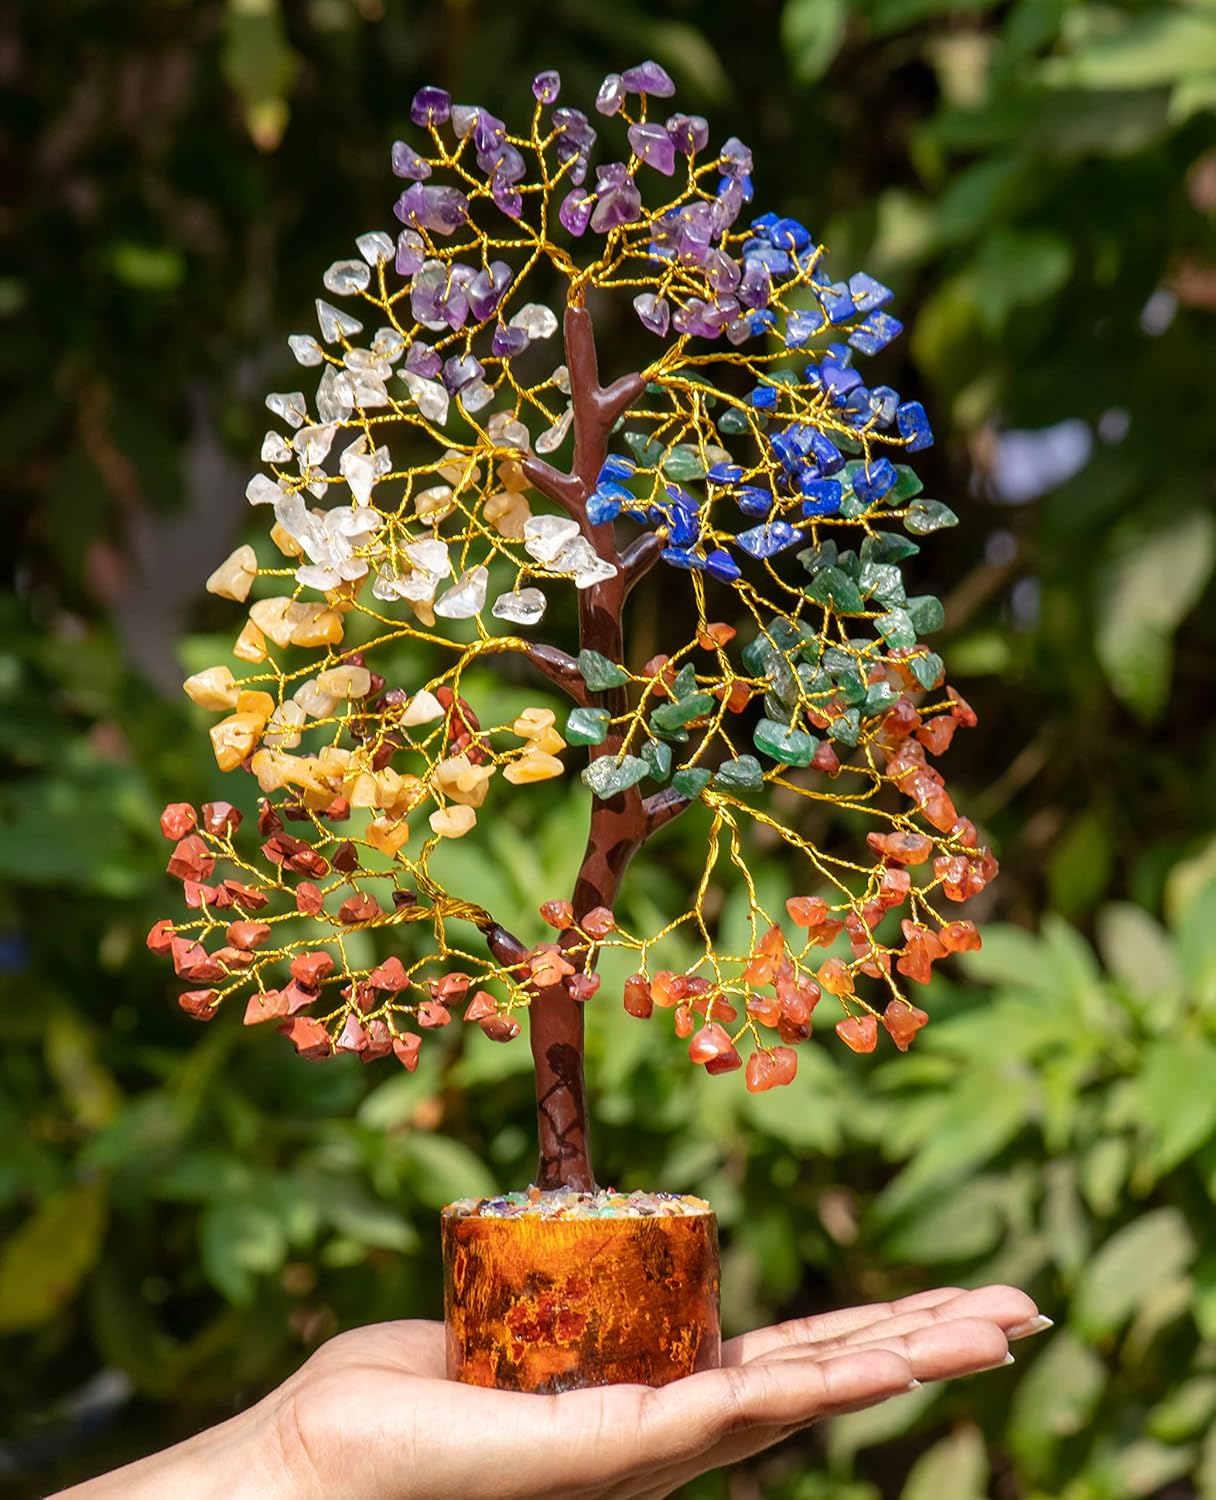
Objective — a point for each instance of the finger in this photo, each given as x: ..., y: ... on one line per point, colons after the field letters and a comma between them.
x: 789, y: 1401
x: 824, y: 1326
x: 937, y: 1351
x: 410, y: 1346
x: 1005, y: 1306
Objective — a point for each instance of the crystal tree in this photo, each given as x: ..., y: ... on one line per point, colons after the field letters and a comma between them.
x: 748, y: 463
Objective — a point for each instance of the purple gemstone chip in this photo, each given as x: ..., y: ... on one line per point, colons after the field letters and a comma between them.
x: 431, y: 106
x: 648, y: 78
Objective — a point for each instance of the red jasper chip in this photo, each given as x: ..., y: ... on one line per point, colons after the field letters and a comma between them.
x: 160, y: 936
x: 638, y: 1001
x: 667, y: 989
x: 268, y: 1006
x: 247, y: 896
x: 451, y: 988
x: 379, y: 1041
x: 177, y: 820
x: 720, y: 1007
x: 198, y: 895
x: 685, y: 1021
x: 903, y: 1021
x: 309, y: 899
x: 232, y: 960
x: 835, y: 977
x: 432, y: 1014
x: 893, y: 887
x: 190, y: 859
x: 353, y: 1037
x: 221, y: 818
x: 900, y: 719
x: 792, y: 1032
x: 770, y: 1069
x: 390, y: 975
x: 500, y: 1028
x: 581, y: 987
x: 345, y: 857
x: 201, y: 1004
x: 337, y: 812
x: 964, y: 833
x: 308, y: 1037
x: 405, y: 1050
x: 785, y: 1065
x: 297, y: 996
x: 558, y: 914
x: 860, y: 1033
x: 711, y: 1044
x: 480, y: 1006
x: 825, y: 759
x: 268, y: 819
x: 598, y: 922
x: 359, y: 908
x: 312, y: 969
x: 935, y: 734
x: 247, y: 934
x: 192, y: 961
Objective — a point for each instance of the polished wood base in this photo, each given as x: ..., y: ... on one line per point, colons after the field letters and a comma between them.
x: 551, y: 1305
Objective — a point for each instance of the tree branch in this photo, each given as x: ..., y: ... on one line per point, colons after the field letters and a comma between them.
x: 562, y: 489
x: 560, y: 668
x: 639, y: 557
x: 662, y: 807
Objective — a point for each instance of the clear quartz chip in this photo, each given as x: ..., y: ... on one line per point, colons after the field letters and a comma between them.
x: 545, y: 536
x: 336, y: 324
x: 388, y: 344
x: 466, y: 598
x: 335, y: 395
x: 585, y: 566
x: 345, y: 277
x: 376, y: 246
x: 305, y: 349
x: 359, y: 470
x: 275, y: 450
x: 290, y: 405
x: 429, y: 396
x: 536, y: 321
x: 313, y: 444
x: 554, y: 436
x: 476, y: 395
x: 522, y: 608
x: 263, y: 491
x: 507, y: 430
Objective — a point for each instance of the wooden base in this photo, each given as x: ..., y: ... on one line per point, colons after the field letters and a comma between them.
x: 550, y: 1305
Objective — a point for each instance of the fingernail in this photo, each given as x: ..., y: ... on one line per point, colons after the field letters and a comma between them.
x: 1031, y: 1325
x: 912, y: 1385
x: 1008, y: 1360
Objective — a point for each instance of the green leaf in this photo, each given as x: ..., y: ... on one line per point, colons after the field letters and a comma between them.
x: 811, y: 33
x: 858, y: 1430
x: 1149, y: 50
x: 1144, y: 593
x: 1175, y: 1090
x: 956, y: 1468
x: 1150, y: 1251
x: 1185, y: 1412
x: 46, y: 1258
x: 1055, y: 1399
x: 240, y: 1240
x: 1019, y: 268
x: 1081, y: 863
x: 442, y: 1169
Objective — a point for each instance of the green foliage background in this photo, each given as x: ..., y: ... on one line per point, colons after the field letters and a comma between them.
x: 183, y: 1212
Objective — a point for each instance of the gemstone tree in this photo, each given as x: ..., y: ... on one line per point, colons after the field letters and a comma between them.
x: 448, y: 468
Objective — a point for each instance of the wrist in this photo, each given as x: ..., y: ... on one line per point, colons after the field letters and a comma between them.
x: 237, y: 1460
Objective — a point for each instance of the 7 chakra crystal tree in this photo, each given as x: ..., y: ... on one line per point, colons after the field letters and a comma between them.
x: 419, y: 484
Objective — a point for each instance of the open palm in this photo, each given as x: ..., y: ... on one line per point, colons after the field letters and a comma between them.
x: 371, y: 1416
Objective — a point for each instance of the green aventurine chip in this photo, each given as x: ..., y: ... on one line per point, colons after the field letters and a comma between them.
x: 608, y: 776
x: 691, y: 781
x: 587, y: 726
x: 792, y: 747
x: 599, y: 673
x: 743, y: 772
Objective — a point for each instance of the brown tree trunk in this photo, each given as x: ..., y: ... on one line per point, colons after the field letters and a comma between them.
x: 619, y: 824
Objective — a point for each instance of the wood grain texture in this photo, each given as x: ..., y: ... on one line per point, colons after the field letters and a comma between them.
x: 553, y: 1305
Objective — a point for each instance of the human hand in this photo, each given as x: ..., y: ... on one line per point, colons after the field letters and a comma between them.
x: 371, y: 1415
